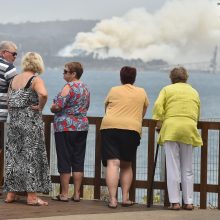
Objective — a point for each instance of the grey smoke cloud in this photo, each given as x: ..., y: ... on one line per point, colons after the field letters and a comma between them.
x: 180, y: 31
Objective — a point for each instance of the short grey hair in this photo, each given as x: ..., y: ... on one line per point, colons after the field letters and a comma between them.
x: 178, y: 74
x: 33, y: 62
x: 7, y: 45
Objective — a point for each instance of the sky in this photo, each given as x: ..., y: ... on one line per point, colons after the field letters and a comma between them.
x: 17, y: 11
x: 172, y: 30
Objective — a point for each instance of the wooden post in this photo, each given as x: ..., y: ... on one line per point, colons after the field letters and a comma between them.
x: 204, y: 159
x: 132, y: 192
x: 219, y: 169
x: 2, y: 153
x: 166, y: 196
x: 150, y: 166
x: 97, y: 181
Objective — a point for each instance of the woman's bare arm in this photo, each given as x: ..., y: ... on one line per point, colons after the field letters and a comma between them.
x: 39, y: 87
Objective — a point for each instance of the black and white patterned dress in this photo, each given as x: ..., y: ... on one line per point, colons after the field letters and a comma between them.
x: 26, y: 165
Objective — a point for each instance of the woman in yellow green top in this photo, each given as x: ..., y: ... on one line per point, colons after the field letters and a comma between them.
x: 177, y: 110
x: 125, y: 107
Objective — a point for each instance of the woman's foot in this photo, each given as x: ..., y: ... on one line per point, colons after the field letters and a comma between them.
x: 127, y: 203
x: 33, y: 199
x: 174, y: 206
x: 188, y: 207
x: 113, y: 203
x: 61, y: 198
x: 76, y: 197
x: 37, y: 202
x: 11, y: 197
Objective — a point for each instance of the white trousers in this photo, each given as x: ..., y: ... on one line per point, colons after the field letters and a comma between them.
x: 179, y: 163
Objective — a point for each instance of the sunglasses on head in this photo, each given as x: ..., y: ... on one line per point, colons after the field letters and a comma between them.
x: 14, y: 54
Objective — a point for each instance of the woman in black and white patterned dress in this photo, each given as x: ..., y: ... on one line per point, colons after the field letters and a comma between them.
x: 26, y: 165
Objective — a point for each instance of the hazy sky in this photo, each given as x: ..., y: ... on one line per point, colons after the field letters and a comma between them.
x: 43, y: 10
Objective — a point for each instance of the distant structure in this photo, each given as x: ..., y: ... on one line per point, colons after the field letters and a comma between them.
x: 213, y: 61
x: 202, y: 66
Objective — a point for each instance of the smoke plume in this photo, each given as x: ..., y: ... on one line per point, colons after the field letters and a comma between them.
x: 180, y: 31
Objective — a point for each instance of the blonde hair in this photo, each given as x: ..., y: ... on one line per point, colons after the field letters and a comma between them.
x: 178, y: 74
x: 33, y: 62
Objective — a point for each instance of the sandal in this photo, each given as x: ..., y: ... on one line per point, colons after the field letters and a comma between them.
x: 128, y: 203
x: 37, y: 202
x: 174, y: 206
x: 61, y: 198
x: 111, y: 206
x: 189, y: 207
x: 75, y: 200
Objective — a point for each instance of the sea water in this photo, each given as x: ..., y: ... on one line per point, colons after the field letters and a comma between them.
x: 100, y: 82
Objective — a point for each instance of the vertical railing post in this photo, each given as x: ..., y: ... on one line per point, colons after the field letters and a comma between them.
x: 2, y: 153
x: 151, y: 143
x: 204, y: 160
x: 132, y: 192
x: 47, y: 134
x: 97, y: 181
x: 166, y: 196
x: 219, y: 169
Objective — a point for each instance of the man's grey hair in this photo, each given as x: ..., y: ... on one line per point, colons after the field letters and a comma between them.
x: 7, y: 45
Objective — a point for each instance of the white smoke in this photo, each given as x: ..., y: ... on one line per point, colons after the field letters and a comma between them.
x: 181, y: 31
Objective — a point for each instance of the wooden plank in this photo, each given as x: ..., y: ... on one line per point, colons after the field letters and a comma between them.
x: 61, y: 210
x: 132, y: 191
x: 204, y: 160
x: 47, y: 135
x: 150, y: 166
x: 97, y: 184
x: 218, y: 169
x: 2, y: 153
x: 166, y: 196
x: 211, y: 125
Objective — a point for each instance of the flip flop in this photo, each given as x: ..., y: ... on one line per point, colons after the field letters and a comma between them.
x: 174, y: 206
x: 38, y: 202
x: 128, y: 203
x: 188, y: 207
x: 112, y: 206
x: 75, y: 200
x: 61, y: 198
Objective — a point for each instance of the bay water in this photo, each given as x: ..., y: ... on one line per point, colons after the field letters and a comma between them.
x: 100, y: 82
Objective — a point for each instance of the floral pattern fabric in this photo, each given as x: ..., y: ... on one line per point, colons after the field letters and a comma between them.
x: 26, y: 164
x: 73, y: 115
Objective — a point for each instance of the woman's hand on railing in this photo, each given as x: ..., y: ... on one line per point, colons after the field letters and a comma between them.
x: 158, y: 126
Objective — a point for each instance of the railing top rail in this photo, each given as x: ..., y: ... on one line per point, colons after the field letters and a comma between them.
x: 210, y: 125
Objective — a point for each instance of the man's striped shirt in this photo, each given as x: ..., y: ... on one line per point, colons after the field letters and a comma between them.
x: 7, y: 72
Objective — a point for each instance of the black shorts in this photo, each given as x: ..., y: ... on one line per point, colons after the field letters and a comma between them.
x: 119, y: 144
x: 71, y: 148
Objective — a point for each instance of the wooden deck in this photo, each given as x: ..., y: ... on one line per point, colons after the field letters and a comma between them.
x: 97, y: 210
x: 20, y: 210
